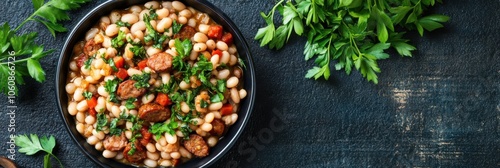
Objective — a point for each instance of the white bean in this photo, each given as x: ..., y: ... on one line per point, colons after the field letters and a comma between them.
x: 101, y: 90
x: 184, y: 107
x: 162, y: 13
x: 153, y: 155
x: 82, y: 106
x: 234, y: 118
x: 119, y: 156
x: 130, y: 18
x: 165, y: 78
x: 147, y: 98
x: 215, y: 106
x: 99, y: 134
x: 153, y: 5
x: 211, y: 44
x: 150, y: 147
x: 90, y: 119
x: 232, y: 50
x: 139, y: 26
x: 70, y: 88
x: 164, y: 24
x: 115, y: 110
x: 223, y: 74
x: 182, y: 20
x: 135, y: 9
x: 80, y: 127
x: 206, y: 127
x: 203, y: 28
x: 233, y: 61
x: 171, y: 139
x: 212, y: 141
x: 107, y: 42
x: 184, y: 86
x: 92, y: 140
x: 85, y: 71
x: 175, y: 155
x: 73, y: 66
x: 114, y: 16
x: 192, y: 22
x: 185, y: 153
x: 178, y: 6
x: 111, y: 52
x: 125, y: 30
x: 200, y: 132
x: 108, y: 154
x: 133, y: 71
x: 225, y: 57
x: 199, y: 47
x: 243, y: 93
x: 200, y: 38
x: 232, y: 82
x: 162, y: 141
x: 153, y: 51
x: 91, y: 33
x: 235, y: 95
x: 111, y: 30
x: 98, y: 146
x: 128, y: 134
x: 150, y: 163
x: 72, y: 108
x: 166, y: 163
x: 215, y: 61
x: 222, y: 45
x: 209, y: 117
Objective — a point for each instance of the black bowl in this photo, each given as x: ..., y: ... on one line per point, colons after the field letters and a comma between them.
x: 218, y: 16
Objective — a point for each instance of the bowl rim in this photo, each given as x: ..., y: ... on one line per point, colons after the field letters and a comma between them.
x: 214, y: 12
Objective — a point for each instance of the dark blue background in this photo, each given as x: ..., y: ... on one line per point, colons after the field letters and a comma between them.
x: 439, y: 108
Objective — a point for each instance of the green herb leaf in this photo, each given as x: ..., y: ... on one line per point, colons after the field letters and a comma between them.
x: 142, y: 80
x: 87, y: 95
x: 130, y: 103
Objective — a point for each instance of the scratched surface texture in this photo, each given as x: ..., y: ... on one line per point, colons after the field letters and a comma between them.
x: 440, y: 108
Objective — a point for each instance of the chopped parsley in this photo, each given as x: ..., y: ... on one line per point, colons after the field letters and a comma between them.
x: 130, y: 103
x: 176, y: 27
x: 87, y: 95
x: 110, y: 86
x: 152, y: 35
x: 159, y: 129
x: 118, y: 41
x: 88, y: 62
x: 141, y: 81
x: 122, y: 24
x: 102, y: 121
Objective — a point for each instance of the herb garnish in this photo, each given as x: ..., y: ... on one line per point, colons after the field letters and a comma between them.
x: 349, y: 33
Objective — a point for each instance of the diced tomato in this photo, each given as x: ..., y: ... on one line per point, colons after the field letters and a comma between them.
x: 215, y: 32
x: 91, y: 103
x: 143, y: 64
x: 163, y: 99
x: 217, y: 52
x: 119, y: 62
x: 227, y: 38
x: 92, y: 112
x: 122, y: 73
x: 146, y: 135
x: 226, y: 109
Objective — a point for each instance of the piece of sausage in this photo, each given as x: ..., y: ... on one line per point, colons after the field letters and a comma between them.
x: 196, y: 145
x: 80, y: 60
x: 115, y: 143
x: 217, y: 127
x: 138, y: 155
x: 186, y: 32
x: 153, y: 112
x: 91, y: 47
x: 127, y: 90
x: 160, y: 62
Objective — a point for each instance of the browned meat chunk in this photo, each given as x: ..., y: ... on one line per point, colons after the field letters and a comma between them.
x: 91, y: 47
x: 196, y: 145
x: 115, y: 143
x: 160, y: 62
x: 138, y: 155
x: 217, y: 127
x: 127, y: 90
x: 80, y: 60
x: 153, y: 112
x: 186, y: 32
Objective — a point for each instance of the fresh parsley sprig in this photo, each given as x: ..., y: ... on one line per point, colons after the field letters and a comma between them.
x: 34, y: 145
x: 348, y: 33
x: 19, y: 54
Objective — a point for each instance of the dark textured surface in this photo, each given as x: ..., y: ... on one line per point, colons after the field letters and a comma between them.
x: 439, y: 108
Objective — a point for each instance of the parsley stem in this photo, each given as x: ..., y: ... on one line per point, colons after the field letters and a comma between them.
x: 351, y: 40
x: 54, y: 156
x: 17, y: 61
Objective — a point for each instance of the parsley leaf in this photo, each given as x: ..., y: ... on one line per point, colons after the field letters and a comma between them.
x: 141, y: 81
x: 110, y: 86
x: 102, y: 121
x: 130, y: 103
x: 118, y: 41
x: 87, y: 95
x: 122, y: 24
x: 184, y: 47
x: 176, y: 27
x: 88, y: 62
x: 151, y: 34
x: 33, y: 146
x: 158, y: 129
x: 350, y: 33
